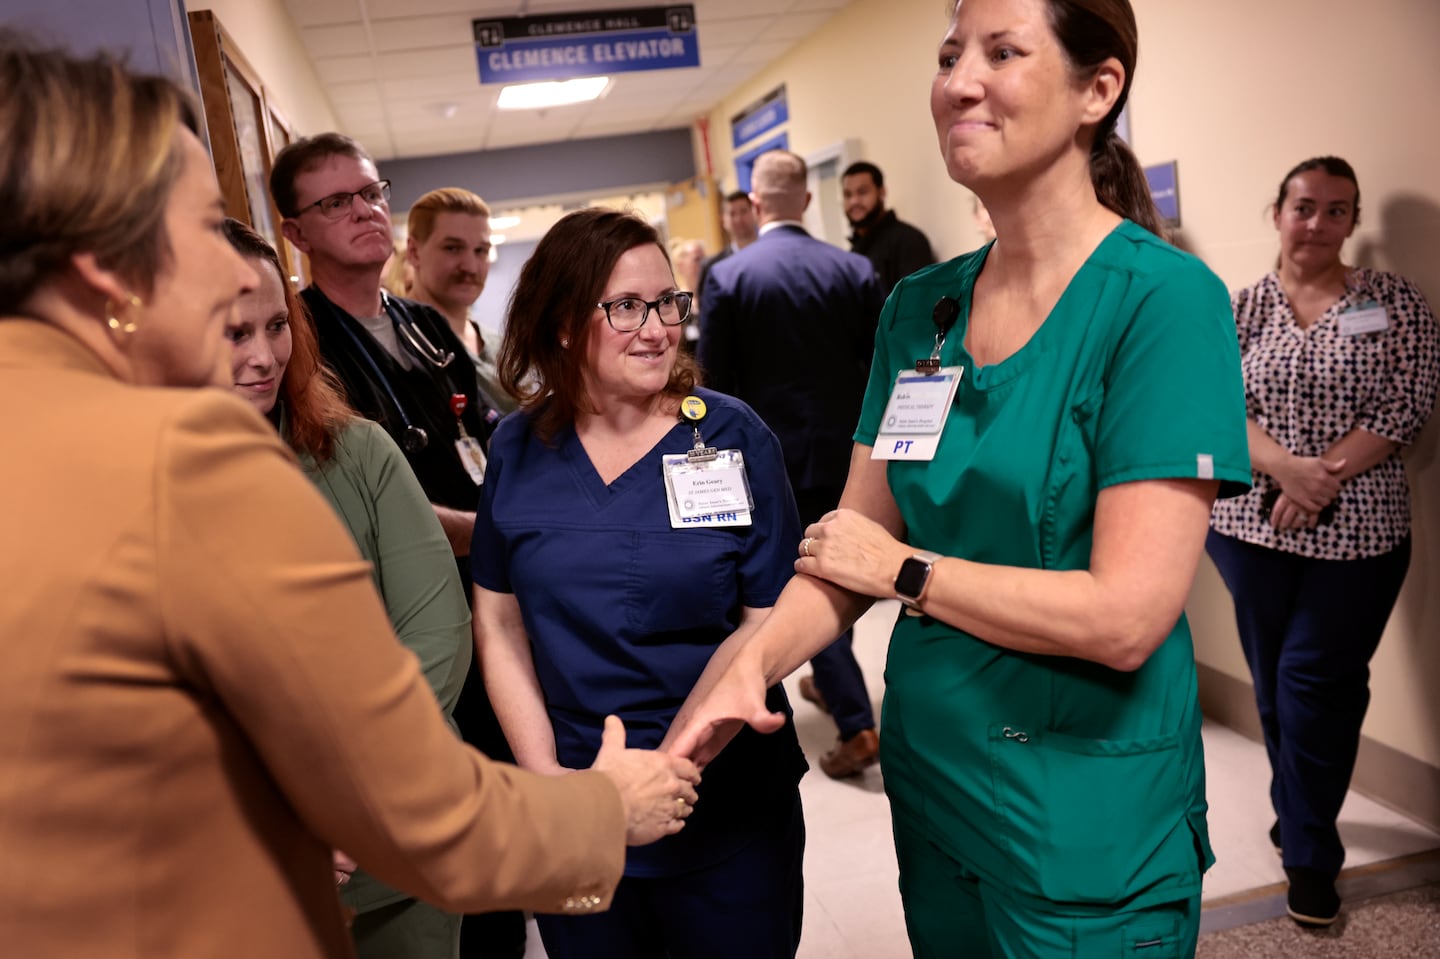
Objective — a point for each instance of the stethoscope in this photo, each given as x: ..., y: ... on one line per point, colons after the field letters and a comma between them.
x: 413, y: 439
x: 416, y: 339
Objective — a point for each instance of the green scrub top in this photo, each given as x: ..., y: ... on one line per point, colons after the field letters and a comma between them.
x: 1056, y: 779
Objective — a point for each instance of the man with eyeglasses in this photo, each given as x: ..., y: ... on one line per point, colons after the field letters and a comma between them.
x: 789, y: 327
x: 402, y: 366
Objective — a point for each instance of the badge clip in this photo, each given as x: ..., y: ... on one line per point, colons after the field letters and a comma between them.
x: 947, y: 310
x: 692, y: 411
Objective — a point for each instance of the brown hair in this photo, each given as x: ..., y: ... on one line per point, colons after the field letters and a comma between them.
x: 302, y: 156
x: 315, y: 407
x: 1091, y: 32
x: 88, y: 158
x: 1334, y: 166
x: 554, y: 301
x: 449, y: 199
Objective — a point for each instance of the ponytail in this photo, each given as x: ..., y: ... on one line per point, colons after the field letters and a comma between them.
x: 1120, y: 183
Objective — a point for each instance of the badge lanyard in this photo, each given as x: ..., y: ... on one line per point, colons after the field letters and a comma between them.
x: 922, y: 398
x: 705, y: 486
x: 472, y: 454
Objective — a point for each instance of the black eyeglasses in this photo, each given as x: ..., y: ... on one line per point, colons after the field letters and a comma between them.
x: 626, y: 314
x: 337, y: 206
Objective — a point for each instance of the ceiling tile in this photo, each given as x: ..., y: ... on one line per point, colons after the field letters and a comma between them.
x: 405, y: 9
x: 363, y: 91
x: 453, y: 63
x: 310, y: 13
x: 344, y: 69
x: 422, y: 33
x: 337, y: 40
x: 797, y: 26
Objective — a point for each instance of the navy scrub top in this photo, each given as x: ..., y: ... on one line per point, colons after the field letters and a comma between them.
x: 623, y: 612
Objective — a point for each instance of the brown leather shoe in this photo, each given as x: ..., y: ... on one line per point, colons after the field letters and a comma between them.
x: 811, y: 693
x: 852, y: 756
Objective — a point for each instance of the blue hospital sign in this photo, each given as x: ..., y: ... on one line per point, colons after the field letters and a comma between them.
x: 1164, y: 180
x: 566, y: 46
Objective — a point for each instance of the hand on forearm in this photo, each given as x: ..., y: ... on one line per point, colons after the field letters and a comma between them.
x: 853, y: 552
x: 1360, y: 450
x: 1311, y: 482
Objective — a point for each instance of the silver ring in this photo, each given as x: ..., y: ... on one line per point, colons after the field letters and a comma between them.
x: 805, y: 546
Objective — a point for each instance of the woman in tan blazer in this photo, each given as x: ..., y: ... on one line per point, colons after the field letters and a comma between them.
x: 201, y: 695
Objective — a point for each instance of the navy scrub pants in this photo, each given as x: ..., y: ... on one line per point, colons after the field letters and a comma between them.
x: 1309, y: 628
x: 749, y: 906
x: 837, y: 673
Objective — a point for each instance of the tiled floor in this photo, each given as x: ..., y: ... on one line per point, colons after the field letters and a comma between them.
x: 852, y: 905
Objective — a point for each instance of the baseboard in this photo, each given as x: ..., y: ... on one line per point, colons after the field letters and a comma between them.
x: 1382, y: 772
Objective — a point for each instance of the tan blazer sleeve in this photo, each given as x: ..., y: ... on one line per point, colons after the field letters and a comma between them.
x: 267, y: 605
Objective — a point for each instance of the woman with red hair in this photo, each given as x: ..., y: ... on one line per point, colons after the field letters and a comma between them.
x: 276, y: 367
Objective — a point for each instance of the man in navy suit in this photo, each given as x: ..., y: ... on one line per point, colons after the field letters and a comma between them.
x: 789, y: 327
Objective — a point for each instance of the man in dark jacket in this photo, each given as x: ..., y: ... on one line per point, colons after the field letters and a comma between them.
x: 897, y: 249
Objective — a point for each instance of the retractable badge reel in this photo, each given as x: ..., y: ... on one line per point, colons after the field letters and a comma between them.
x: 921, y: 399
x: 472, y: 454
x: 705, y: 486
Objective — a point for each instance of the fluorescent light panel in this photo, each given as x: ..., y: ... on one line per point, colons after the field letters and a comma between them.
x: 551, y: 93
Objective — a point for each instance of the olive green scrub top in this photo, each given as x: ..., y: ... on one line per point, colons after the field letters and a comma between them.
x: 378, y: 498
x: 1061, y: 781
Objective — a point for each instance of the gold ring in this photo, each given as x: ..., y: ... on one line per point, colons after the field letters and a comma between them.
x: 805, y: 546
x: 681, y: 801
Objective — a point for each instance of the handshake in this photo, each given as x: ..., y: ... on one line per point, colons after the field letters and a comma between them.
x: 656, y: 788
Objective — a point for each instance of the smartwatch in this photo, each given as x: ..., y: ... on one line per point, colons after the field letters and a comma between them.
x: 914, y: 575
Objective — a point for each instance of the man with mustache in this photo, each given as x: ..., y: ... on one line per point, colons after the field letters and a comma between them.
x: 448, y: 248
x: 402, y: 366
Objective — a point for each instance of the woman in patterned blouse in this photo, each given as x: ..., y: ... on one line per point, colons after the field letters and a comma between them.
x: 1340, y: 365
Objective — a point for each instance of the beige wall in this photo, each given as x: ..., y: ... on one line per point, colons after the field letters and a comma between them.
x: 268, y: 38
x: 1237, y: 92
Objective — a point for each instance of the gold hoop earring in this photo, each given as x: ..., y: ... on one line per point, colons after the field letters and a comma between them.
x: 115, y: 323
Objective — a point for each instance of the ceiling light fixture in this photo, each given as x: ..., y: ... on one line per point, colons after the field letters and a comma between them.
x: 551, y: 93
x: 503, y: 222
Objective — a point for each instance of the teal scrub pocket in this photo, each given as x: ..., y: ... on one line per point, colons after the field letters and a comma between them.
x: 1154, y: 939
x: 1085, y: 820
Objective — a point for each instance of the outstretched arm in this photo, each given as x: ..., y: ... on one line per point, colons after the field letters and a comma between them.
x: 808, y: 616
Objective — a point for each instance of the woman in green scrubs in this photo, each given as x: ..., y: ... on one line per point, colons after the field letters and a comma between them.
x: 1041, y: 743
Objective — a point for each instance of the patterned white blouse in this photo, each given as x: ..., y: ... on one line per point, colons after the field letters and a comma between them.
x: 1308, y: 388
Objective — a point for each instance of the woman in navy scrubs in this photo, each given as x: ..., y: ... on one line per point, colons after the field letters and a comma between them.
x: 603, y: 588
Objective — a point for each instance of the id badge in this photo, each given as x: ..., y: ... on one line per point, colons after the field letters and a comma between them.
x: 713, y: 492
x: 1366, y: 318
x: 472, y: 457
x: 915, y: 415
